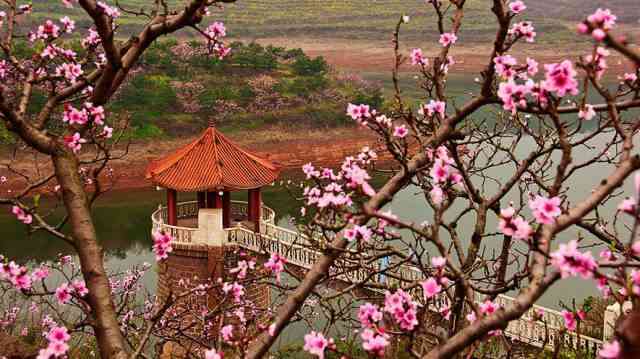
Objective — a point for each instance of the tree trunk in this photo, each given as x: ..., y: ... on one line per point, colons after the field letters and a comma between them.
x: 105, y: 322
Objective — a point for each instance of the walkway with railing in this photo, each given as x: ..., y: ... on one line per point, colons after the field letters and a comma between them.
x: 295, y: 248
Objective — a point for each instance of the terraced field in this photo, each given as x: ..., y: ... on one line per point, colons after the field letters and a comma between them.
x: 372, y: 19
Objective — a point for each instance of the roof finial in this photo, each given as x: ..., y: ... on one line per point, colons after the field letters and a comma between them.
x: 212, y: 122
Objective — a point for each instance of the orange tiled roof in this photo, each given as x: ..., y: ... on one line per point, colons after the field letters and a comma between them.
x: 211, y: 162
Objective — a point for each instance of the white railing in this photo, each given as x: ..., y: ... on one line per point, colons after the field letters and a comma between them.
x: 294, y: 247
x: 186, y: 235
x: 180, y: 234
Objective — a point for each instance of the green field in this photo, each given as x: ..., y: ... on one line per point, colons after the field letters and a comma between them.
x: 367, y: 19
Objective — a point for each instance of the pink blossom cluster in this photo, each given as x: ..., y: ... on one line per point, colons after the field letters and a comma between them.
x: 275, y: 264
x: 598, y: 24
x: 442, y: 173
x: 598, y: 61
x: 74, y: 142
x: 70, y: 71
x: 243, y: 267
x: 374, y: 338
x: 447, y: 39
x: 92, y: 39
x: 635, y: 282
x: 315, y: 343
x: 331, y: 195
x: 485, y: 308
x: 52, y: 50
x: 433, y: 285
x: 430, y: 288
x: 110, y: 11
x: 572, y: 263
x: 514, y: 226
x: 587, y: 112
x: 47, y: 31
x: 517, y: 6
x: 571, y: 319
x: 629, y: 78
x: 358, y: 232
x: 374, y: 341
x: 432, y: 108
x: 363, y: 114
x: 352, y: 175
x: 72, y: 115
x: 417, y: 58
x: 402, y: 308
x: 505, y: 66
x: 22, y: 215
x: 214, y: 33
x: 162, y: 245
x: 514, y: 95
x: 524, y: 30
x: 58, y: 337
x: 235, y: 289
x: 400, y: 131
x: 65, y: 292
x: 4, y: 68
x: 16, y: 274
x: 213, y: 354
x: 628, y: 206
x: 545, y: 210
x: 227, y: 333
x: 610, y: 350
x: 360, y: 113
x: 560, y: 78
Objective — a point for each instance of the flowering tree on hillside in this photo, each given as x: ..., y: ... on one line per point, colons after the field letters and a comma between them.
x: 77, y: 81
x: 433, y: 286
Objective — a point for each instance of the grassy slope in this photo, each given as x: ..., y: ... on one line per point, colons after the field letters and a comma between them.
x: 299, y: 95
x: 373, y: 19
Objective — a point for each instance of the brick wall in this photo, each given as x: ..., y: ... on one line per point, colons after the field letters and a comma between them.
x: 205, y: 263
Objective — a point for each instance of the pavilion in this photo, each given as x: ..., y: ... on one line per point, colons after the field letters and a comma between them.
x: 213, y: 166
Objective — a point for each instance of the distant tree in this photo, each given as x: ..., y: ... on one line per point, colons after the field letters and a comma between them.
x: 305, y: 66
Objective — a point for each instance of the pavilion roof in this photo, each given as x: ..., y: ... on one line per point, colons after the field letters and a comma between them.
x: 211, y: 162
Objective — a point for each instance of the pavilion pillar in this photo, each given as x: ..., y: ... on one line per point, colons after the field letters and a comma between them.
x: 202, y: 203
x: 211, y: 199
x: 254, y: 205
x: 217, y: 203
x: 226, y: 209
x: 172, y: 213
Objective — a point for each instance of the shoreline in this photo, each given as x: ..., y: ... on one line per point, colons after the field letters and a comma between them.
x: 290, y: 152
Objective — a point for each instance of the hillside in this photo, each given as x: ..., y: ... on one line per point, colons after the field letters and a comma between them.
x: 374, y: 19
x: 177, y: 89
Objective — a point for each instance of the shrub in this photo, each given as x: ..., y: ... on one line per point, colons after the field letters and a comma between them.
x: 145, y: 131
x: 210, y: 95
x: 151, y: 92
x: 305, y: 66
x: 253, y: 55
x: 302, y: 86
